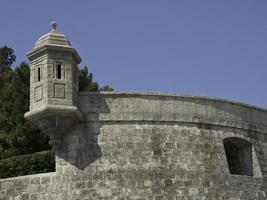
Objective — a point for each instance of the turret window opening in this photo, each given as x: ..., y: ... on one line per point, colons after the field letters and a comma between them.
x: 38, y: 74
x: 58, y: 71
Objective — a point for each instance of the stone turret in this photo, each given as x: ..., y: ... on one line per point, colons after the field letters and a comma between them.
x: 54, y: 84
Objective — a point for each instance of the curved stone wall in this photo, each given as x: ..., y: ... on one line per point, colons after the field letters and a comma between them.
x: 124, y: 106
x: 152, y: 146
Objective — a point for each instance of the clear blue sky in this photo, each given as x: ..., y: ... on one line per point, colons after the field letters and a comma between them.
x: 212, y: 48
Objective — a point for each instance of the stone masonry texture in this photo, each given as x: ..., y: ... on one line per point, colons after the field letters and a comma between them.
x: 138, y: 146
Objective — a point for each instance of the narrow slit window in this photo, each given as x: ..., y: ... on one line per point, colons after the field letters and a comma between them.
x: 58, y: 72
x: 39, y: 74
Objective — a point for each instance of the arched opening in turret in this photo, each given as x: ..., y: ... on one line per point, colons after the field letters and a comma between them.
x: 239, y: 156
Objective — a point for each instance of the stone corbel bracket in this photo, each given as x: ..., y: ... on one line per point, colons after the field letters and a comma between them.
x: 54, y: 121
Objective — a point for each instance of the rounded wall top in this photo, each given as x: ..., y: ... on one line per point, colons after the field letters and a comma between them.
x: 53, y: 38
x: 171, y: 108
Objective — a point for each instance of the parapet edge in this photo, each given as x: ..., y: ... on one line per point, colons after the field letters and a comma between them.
x: 170, y: 95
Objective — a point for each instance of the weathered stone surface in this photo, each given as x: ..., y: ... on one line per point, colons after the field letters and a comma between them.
x: 53, y: 83
x: 137, y: 146
x: 151, y: 146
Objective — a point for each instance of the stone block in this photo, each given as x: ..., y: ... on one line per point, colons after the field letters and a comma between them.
x: 59, y: 90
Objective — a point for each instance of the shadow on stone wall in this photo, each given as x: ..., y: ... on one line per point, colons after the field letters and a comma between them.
x: 79, y: 145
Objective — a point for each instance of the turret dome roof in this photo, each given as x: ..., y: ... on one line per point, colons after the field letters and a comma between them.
x: 53, y: 38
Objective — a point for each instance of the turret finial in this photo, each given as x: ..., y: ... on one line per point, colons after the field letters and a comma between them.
x: 53, y: 25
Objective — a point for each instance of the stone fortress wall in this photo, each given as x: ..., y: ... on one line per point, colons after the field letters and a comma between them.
x: 154, y: 146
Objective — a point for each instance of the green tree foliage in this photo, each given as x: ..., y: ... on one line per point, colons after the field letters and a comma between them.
x: 17, y: 136
x: 39, y: 162
x: 7, y: 56
x: 106, y: 88
x: 86, y: 82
